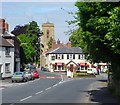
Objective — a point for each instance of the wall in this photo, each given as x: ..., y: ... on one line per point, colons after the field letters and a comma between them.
x: 5, y: 59
x: 65, y: 60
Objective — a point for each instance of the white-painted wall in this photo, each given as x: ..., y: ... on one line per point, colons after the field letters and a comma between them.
x: 65, y: 60
x: 4, y: 59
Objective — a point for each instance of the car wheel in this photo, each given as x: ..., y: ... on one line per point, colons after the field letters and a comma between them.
x: 26, y: 79
x: 12, y: 81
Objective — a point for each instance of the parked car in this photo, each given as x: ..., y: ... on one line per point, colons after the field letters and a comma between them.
x: 92, y: 71
x: 29, y: 75
x: 19, y: 76
x: 35, y: 74
x: 105, y: 70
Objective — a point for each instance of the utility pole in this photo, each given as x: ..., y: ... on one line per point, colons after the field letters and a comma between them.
x: 41, y: 33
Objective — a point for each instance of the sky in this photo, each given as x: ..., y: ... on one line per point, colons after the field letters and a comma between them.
x: 21, y: 13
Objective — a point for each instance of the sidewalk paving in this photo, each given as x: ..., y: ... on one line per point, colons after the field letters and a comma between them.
x: 98, y: 92
x: 5, y: 82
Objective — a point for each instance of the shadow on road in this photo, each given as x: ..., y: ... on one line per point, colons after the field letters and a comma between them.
x: 103, y: 80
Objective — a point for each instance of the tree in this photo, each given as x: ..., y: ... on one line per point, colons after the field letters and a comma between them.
x: 27, y: 47
x: 99, y: 31
x: 19, y: 30
x: 33, y: 34
x: 30, y: 42
x: 50, y: 43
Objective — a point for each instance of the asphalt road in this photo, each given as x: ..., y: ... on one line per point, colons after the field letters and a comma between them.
x: 54, y: 90
x: 70, y: 91
x: 16, y: 93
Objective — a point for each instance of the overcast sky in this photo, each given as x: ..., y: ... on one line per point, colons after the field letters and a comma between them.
x: 20, y: 13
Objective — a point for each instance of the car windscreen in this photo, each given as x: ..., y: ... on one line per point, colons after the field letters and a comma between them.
x: 19, y: 73
x: 89, y: 69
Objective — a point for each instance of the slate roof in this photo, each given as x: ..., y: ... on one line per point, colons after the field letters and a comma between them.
x: 4, y: 42
x: 72, y: 50
x: 7, y: 34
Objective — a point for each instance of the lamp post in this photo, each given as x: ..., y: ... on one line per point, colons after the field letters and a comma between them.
x: 41, y: 33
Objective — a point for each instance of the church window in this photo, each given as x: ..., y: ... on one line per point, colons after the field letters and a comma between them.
x: 47, y: 33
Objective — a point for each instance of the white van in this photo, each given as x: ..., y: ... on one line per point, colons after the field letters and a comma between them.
x: 92, y: 71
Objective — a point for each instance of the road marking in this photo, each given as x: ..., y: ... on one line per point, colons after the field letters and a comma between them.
x: 48, y: 88
x: 55, y: 85
x: 12, y: 104
x: 2, y: 88
x: 38, y: 92
x: 50, y: 76
x: 25, y: 98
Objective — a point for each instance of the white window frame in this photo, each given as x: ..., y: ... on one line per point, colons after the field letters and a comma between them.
x: 7, y: 67
x: 82, y: 56
x: 59, y: 56
x: 7, y: 51
x: 70, y: 56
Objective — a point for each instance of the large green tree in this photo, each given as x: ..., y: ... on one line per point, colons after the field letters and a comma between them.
x: 99, y: 30
x: 30, y: 43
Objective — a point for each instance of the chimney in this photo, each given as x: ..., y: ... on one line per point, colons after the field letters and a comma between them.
x: 53, y: 44
x: 2, y: 26
x: 6, y: 26
x: 69, y: 44
x: 58, y: 41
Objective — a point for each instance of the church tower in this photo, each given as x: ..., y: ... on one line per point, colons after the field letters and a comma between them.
x: 48, y: 32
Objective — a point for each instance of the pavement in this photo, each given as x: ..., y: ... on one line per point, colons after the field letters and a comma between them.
x: 5, y: 83
x: 98, y: 92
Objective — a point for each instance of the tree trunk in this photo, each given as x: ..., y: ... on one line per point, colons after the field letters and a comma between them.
x: 116, y: 76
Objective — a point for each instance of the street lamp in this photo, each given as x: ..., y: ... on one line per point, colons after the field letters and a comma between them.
x: 41, y: 33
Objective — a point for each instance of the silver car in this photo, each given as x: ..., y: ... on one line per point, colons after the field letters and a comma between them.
x: 19, y: 77
x: 29, y: 75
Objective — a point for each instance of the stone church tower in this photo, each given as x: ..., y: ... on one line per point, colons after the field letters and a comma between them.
x: 48, y: 32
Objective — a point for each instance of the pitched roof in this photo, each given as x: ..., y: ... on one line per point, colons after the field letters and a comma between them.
x: 61, y: 45
x: 4, y: 42
x: 72, y: 62
x: 7, y: 34
x: 65, y: 50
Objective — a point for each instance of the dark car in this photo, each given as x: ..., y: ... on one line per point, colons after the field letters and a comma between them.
x: 19, y: 77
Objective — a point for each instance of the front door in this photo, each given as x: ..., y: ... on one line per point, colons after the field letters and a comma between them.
x: 71, y: 67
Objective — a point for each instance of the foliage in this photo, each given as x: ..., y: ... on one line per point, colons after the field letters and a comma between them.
x: 50, y: 43
x: 99, y: 32
x: 30, y: 43
x: 19, y: 30
x: 28, y: 49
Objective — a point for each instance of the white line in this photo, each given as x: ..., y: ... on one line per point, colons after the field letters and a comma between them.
x: 48, y: 88
x: 54, y: 85
x: 38, y: 92
x: 25, y: 98
x: 50, y: 77
x: 2, y: 88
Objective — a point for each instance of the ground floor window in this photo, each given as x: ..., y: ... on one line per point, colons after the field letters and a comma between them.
x: 82, y: 67
x: 7, y: 68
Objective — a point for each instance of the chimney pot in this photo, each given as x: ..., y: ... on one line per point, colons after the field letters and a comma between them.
x: 6, y: 26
